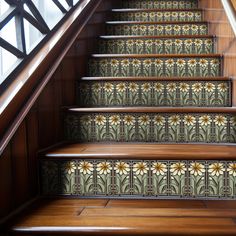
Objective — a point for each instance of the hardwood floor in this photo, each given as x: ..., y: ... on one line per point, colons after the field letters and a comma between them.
x: 128, y: 217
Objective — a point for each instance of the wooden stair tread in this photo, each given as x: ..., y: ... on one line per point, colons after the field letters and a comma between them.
x: 156, y: 79
x: 155, y: 22
x: 157, y: 55
x: 153, y: 9
x: 141, y: 151
x: 83, y: 216
x: 154, y: 36
x: 156, y: 109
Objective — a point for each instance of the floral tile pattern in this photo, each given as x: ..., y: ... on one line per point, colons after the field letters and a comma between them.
x: 157, y: 93
x: 160, y: 4
x: 158, y: 29
x: 160, y: 67
x: 152, y: 127
x: 140, y: 178
x: 158, y: 16
x: 157, y: 46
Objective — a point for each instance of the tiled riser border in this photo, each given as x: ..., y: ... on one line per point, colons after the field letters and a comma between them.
x: 184, y: 67
x: 158, y: 46
x: 159, y: 30
x: 160, y: 4
x: 144, y: 93
x: 158, y: 16
x: 141, y: 179
x: 153, y: 127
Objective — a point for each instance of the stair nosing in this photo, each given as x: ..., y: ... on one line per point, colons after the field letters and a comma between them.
x: 114, y: 154
x: 110, y: 55
x: 155, y: 22
x: 155, y: 36
x: 84, y: 79
x: 154, y: 9
x: 143, y: 109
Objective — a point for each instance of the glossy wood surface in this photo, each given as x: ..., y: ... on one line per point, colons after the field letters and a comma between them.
x: 142, y: 151
x: 155, y: 78
x: 156, y: 109
x: 128, y: 217
x: 42, y: 124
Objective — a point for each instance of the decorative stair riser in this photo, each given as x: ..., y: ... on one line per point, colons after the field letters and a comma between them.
x: 139, y: 179
x: 157, y: 93
x: 158, y: 16
x: 151, y: 127
x: 157, y: 4
x: 158, y: 29
x: 159, y: 67
x: 157, y: 46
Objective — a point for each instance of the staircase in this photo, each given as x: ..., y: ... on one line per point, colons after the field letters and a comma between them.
x: 154, y: 117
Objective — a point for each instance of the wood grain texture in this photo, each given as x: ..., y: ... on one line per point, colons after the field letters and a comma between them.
x: 142, y: 151
x: 114, y: 217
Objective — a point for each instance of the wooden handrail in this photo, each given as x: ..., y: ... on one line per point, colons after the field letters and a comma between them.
x: 234, y: 4
x: 53, y: 53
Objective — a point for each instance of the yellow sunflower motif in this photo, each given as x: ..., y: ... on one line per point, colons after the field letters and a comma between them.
x: 184, y: 87
x: 205, y: 120
x: 158, y: 87
x: 174, y: 120
x: 220, y: 120
x: 178, y: 168
x: 159, y: 168
x: 146, y: 87
x: 171, y: 87
x: 197, y: 87
x: 108, y: 87
x: 209, y: 87
x: 232, y: 169
x: 121, y: 87
x: 70, y: 168
x: 100, y: 120
x: 104, y: 168
x: 140, y: 168
x: 122, y: 168
x: 216, y: 169
x: 129, y: 120
x: 85, y: 167
x: 223, y: 87
x: 197, y: 169
x: 159, y: 120
x: 114, y: 120
x: 144, y: 120
x: 133, y: 87
x: 189, y: 120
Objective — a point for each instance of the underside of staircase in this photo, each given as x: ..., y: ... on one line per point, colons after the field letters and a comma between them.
x: 151, y: 140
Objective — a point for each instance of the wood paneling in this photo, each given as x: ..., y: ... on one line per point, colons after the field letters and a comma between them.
x: 226, y: 39
x: 43, y: 125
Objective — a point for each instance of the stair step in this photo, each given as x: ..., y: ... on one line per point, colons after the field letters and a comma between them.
x: 184, y: 45
x: 149, y: 65
x: 137, y: 151
x: 154, y: 93
x: 156, y: 79
x: 157, y: 4
x: 156, y: 28
x: 139, y: 217
x: 156, y: 15
x: 124, y: 171
x: 151, y: 124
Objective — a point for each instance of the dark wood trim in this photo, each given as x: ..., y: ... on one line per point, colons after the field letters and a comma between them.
x: 155, y: 23
x: 49, y: 65
x: 154, y: 37
x: 153, y: 10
